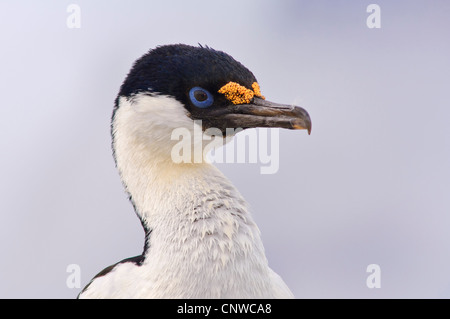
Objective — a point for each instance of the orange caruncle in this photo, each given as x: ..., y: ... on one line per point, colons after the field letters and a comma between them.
x: 238, y: 94
x: 257, y: 90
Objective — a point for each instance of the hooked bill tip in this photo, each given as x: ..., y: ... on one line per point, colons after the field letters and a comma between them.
x: 296, y: 126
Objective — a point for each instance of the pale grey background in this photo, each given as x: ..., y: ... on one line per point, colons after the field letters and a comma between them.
x: 370, y: 185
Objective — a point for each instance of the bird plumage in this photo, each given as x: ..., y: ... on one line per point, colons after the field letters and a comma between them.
x: 201, y: 240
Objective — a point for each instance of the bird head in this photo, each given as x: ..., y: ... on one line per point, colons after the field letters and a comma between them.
x: 175, y: 86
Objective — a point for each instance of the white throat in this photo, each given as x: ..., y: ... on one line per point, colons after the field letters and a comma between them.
x: 204, y: 242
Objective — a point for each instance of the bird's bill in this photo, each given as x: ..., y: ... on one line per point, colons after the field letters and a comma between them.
x: 262, y: 113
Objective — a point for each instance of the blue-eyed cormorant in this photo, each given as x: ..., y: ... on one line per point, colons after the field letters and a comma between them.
x: 200, y: 238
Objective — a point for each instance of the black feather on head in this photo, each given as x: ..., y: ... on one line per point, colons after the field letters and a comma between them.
x: 174, y: 69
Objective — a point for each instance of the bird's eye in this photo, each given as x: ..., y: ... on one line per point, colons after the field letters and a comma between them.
x: 201, y: 97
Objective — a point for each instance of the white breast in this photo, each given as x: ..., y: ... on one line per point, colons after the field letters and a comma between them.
x: 204, y: 242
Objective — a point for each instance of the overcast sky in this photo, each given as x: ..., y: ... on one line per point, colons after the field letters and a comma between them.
x: 370, y: 185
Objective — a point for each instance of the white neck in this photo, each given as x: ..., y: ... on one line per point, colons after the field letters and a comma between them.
x: 202, y: 235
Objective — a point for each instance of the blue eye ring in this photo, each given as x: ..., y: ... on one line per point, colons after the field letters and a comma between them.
x: 200, y: 97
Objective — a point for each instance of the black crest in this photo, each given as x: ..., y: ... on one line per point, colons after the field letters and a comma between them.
x: 174, y: 69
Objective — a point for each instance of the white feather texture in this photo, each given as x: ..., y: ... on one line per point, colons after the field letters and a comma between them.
x: 204, y: 242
